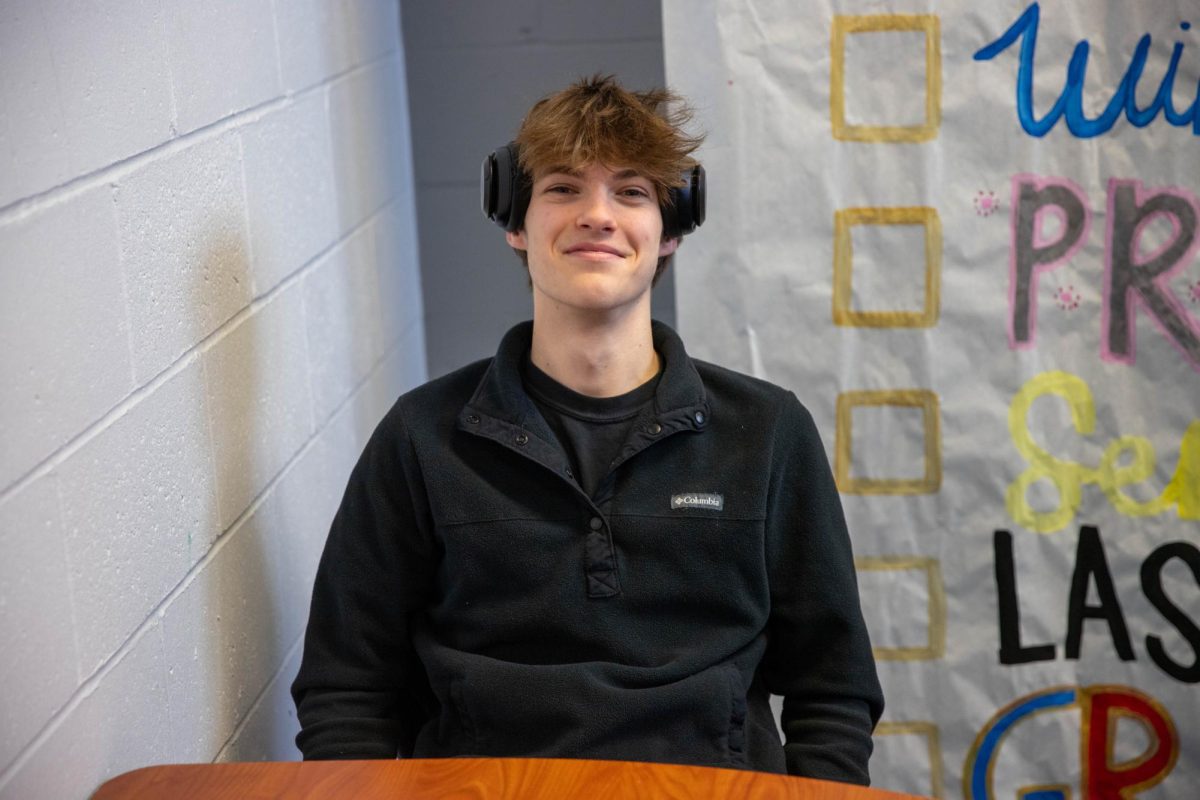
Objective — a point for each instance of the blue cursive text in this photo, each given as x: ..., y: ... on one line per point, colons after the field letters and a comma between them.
x: 1070, y: 102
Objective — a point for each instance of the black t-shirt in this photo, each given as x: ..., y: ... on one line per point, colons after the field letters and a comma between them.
x: 590, y: 429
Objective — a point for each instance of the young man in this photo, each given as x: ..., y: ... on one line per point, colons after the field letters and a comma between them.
x: 591, y: 545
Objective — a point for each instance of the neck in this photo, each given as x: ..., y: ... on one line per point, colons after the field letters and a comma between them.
x: 604, y: 355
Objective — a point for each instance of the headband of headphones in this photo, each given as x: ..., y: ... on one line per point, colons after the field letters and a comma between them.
x: 506, y: 190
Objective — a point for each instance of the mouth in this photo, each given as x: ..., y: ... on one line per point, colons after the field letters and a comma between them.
x: 594, y: 250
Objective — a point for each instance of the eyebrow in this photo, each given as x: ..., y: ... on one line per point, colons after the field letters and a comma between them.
x: 574, y: 172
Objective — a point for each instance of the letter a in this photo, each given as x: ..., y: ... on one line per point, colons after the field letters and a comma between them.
x: 1090, y: 563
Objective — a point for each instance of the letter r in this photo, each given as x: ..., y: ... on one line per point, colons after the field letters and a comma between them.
x: 1127, y: 282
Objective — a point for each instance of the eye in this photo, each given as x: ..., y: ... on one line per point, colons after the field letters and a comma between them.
x: 560, y: 188
x: 635, y: 191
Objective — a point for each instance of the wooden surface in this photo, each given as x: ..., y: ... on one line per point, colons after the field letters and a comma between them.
x: 469, y: 779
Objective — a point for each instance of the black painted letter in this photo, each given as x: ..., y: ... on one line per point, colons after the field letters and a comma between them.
x: 1152, y: 586
x: 1030, y: 255
x: 1090, y: 562
x: 1011, y: 650
x: 1126, y: 279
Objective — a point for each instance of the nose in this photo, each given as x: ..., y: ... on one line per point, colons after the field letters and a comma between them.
x: 596, y: 212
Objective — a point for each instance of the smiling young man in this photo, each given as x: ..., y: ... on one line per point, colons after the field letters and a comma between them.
x: 591, y: 545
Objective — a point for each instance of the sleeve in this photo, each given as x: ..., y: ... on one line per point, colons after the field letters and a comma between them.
x: 361, y: 691
x: 819, y: 654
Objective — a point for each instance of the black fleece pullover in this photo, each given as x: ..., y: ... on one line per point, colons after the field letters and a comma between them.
x: 473, y: 600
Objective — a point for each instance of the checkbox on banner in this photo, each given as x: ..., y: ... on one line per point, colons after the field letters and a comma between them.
x: 888, y: 69
x: 888, y: 442
x: 887, y: 267
x: 917, y: 746
x: 904, y: 604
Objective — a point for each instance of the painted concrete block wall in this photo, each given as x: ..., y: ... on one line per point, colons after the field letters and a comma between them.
x: 474, y: 68
x: 209, y: 295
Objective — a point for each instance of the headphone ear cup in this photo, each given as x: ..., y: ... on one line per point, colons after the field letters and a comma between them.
x: 672, y: 212
x: 504, y: 188
x: 699, y: 196
x: 686, y: 210
x: 489, y: 188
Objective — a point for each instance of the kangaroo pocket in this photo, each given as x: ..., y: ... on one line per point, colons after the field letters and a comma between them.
x: 597, y: 710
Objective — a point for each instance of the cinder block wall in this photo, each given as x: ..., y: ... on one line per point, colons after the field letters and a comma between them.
x: 208, y: 296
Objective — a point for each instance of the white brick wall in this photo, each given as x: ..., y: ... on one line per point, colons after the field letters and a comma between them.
x: 184, y: 248
x: 289, y: 188
x: 83, y: 85
x: 224, y: 57
x: 33, y: 585
x: 60, y: 285
x: 139, y: 508
x: 208, y: 296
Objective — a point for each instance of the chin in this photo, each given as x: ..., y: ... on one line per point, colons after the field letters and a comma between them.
x: 596, y: 300
x: 593, y: 303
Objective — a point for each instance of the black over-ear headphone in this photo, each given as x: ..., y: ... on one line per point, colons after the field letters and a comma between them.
x: 506, y: 188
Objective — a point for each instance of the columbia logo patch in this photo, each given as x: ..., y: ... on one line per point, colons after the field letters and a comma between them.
x: 709, y: 502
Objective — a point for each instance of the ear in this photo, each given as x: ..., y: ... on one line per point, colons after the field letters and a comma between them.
x: 516, y: 239
x: 667, y: 246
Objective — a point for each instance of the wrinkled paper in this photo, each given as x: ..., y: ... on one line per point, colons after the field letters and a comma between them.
x: 976, y: 265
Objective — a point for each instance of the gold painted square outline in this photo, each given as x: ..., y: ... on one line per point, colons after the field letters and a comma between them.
x: 935, y: 647
x: 923, y: 399
x: 843, y: 266
x: 846, y: 24
x: 930, y: 731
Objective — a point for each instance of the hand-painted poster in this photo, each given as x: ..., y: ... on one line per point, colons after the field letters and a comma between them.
x: 966, y: 234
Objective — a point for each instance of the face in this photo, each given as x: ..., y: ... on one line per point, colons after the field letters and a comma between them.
x: 593, y: 237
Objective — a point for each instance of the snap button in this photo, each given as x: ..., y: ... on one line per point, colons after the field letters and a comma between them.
x: 699, y: 417
x: 473, y: 419
x: 522, y: 438
x: 654, y: 429
x: 596, y: 523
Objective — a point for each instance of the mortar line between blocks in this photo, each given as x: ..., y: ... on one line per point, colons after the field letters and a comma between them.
x: 173, y: 125
x: 278, y: 46
x: 250, y: 237
x: 116, y: 215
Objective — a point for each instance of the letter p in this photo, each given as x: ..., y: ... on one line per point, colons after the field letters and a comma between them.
x: 1033, y: 198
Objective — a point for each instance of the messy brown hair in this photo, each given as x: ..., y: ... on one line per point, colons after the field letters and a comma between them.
x: 597, y: 121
